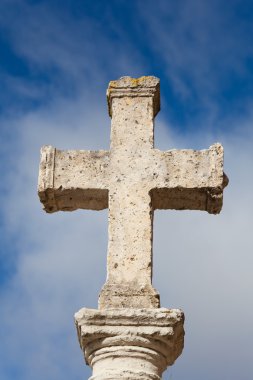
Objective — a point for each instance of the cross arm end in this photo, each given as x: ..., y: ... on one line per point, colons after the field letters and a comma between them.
x: 191, y: 180
x: 71, y: 180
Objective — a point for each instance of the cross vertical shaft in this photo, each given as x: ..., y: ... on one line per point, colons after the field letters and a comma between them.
x: 129, y: 267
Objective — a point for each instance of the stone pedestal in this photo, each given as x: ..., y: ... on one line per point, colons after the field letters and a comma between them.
x: 130, y: 343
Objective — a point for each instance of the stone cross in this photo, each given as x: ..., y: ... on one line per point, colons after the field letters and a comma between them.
x: 132, y: 180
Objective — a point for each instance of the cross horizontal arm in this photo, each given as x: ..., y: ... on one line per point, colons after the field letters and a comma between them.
x: 189, y: 180
x: 70, y: 180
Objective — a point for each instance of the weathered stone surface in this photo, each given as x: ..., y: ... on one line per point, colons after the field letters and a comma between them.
x: 69, y: 180
x: 132, y: 179
x: 130, y: 343
x: 146, y: 86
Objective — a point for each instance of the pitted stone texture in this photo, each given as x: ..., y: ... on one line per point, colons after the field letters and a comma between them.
x: 132, y: 179
x: 147, y: 86
x: 70, y: 180
x: 130, y: 343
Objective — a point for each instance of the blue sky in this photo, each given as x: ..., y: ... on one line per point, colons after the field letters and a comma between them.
x: 57, y: 58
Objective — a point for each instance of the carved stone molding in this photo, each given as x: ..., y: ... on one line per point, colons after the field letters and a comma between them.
x: 130, y: 343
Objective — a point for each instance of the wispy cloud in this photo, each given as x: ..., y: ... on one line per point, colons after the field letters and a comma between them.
x: 63, y: 55
x: 205, y: 50
x: 44, y: 291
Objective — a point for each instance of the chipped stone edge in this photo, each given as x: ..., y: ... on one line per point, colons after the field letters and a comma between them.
x: 46, y: 178
x: 214, y: 199
x: 114, y: 316
x: 142, y: 331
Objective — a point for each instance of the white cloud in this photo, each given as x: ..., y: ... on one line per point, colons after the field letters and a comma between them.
x: 55, y: 253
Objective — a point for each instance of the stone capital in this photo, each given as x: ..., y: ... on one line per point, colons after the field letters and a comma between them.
x: 146, y: 86
x: 130, y: 343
